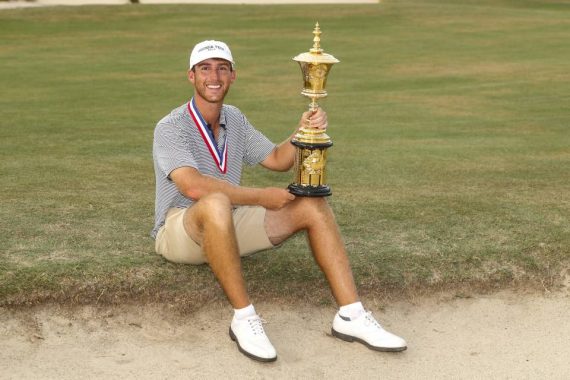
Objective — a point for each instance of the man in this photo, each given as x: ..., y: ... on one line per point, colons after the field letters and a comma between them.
x: 203, y: 215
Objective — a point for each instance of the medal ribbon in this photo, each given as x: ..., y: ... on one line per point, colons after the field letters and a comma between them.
x: 219, y: 158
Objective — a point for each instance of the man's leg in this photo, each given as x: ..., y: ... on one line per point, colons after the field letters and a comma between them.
x: 210, y: 223
x: 316, y: 217
x: 352, y: 322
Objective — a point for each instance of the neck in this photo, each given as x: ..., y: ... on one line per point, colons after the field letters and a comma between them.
x: 209, y: 111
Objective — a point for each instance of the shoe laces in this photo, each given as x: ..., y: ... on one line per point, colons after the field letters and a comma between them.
x: 371, y: 321
x: 256, y: 324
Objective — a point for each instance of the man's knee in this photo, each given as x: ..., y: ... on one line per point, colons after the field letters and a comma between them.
x: 313, y: 205
x: 215, y: 201
x: 213, y: 210
x: 310, y: 211
x: 215, y: 206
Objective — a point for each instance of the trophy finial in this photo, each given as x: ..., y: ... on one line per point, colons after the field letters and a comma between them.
x: 315, y: 66
x: 317, y: 40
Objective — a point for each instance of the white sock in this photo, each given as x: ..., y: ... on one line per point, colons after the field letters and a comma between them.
x: 352, y: 311
x: 248, y: 311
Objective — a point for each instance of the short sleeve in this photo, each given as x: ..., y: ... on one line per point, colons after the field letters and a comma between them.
x: 171, y: 148
x: 257, y: 145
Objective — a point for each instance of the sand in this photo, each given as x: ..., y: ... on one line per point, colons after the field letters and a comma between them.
x: 500, y: 336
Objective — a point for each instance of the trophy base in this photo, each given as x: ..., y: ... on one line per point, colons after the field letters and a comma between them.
x: 309, y: 191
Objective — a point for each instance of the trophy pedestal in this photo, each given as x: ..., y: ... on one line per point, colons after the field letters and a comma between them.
x: 309, y: 191
x: 310, y: 167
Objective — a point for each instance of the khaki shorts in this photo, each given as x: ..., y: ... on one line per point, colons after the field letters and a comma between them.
x: 175, y: 245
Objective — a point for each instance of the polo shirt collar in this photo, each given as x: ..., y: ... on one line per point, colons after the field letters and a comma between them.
x: 222, y: 120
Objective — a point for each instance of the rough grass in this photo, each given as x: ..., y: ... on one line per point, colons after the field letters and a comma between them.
x: 449, y: 119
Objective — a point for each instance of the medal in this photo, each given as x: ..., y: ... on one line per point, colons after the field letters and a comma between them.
x: 220, y: 158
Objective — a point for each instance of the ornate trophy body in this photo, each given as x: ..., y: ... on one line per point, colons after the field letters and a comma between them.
x: 311, y: 144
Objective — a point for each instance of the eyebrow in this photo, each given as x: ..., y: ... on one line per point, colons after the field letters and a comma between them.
x: 220, y: 63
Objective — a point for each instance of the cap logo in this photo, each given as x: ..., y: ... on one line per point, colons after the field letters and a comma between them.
x: 211, y: 47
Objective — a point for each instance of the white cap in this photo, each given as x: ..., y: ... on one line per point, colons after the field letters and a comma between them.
x: 210, y: 49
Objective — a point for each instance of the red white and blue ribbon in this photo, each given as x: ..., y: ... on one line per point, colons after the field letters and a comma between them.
x: 220, y: 158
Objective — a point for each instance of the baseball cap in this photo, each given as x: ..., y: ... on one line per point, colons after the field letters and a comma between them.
x: 210, y: 49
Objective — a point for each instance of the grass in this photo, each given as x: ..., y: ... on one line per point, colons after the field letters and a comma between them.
x: 450, y: 167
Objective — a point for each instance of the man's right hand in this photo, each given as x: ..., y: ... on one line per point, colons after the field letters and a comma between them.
x: 275, y: 198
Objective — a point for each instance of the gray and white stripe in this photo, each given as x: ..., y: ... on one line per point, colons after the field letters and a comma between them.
x: 178, y: 143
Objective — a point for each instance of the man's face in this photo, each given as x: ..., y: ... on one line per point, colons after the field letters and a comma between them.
x: 212, y: 79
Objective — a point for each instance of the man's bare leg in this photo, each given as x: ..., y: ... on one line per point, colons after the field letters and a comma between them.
x: 316, y: 217
x: 209, y: 223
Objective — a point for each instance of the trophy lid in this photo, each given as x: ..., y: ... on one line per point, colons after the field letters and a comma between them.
x: 315, y: 54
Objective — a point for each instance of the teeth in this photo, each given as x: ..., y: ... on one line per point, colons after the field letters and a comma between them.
x: 214, y: 86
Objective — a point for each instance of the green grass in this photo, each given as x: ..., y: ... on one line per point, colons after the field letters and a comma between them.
x: 450, y: 164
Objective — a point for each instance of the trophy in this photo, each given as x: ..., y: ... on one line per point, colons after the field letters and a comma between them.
x: 311, y: 144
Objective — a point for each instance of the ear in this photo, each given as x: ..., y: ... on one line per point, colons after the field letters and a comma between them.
x: 191, y: 76
x: 233, y: 76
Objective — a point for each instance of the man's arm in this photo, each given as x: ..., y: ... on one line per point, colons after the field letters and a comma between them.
x: 283, y: 156
x: 192, y: 184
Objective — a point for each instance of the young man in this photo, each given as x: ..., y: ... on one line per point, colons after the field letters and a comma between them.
x: 203, y: 215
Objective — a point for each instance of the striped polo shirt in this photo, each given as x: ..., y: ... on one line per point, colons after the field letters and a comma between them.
x: 179, y: 141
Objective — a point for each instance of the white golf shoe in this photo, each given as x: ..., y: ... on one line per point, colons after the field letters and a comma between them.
x: 366, y: 330
x: 250, y: 337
